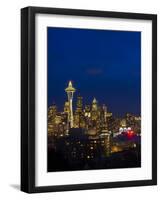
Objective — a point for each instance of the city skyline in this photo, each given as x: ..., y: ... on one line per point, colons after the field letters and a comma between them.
x: 110, y: 83
x: 84, y: 104
x: 90, y: 137
x: 92, y: 116
x: 90, y: 99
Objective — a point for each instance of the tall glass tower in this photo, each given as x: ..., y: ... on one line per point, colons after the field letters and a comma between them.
x: 70, y: 91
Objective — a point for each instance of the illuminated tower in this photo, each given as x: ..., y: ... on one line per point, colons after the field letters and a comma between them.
x: 79, y: 104
x: 94, y: 111
x: 104, y: 113
x: 70, y: 90
x: 78, y: 116
x: 94, y: 104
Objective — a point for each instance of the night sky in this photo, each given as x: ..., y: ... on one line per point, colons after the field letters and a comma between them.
x: 104, y: 64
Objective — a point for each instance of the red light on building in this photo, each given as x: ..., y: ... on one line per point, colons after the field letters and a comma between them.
x: 130, y: 134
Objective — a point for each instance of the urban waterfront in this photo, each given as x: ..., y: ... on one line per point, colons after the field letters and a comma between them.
x: 89, y: 136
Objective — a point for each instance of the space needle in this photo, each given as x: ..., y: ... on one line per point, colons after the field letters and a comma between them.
x: 70, y: 91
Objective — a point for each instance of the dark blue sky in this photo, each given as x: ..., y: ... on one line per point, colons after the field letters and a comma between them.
x: 104, y: 64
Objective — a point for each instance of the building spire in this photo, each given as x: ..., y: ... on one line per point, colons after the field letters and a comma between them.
x: 70, y: 84
x: 94, y: 100
x: 70, y: 87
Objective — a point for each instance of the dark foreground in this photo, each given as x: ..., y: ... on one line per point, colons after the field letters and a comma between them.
x: 125, y: 159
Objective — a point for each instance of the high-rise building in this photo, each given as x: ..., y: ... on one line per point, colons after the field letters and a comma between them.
x: 79, y: 108
x: 94, y: 104
x: 78, y: 116
x: 52, y: 110
x: 105, y: 140
x: 87, y: 111
x: 94, y: 111
x: 66, y: 107
x: 70, y: 91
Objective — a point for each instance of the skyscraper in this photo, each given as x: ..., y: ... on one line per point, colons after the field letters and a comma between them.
x: 70, y: 91
x: 94, y: 111
x: 79, y: 104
